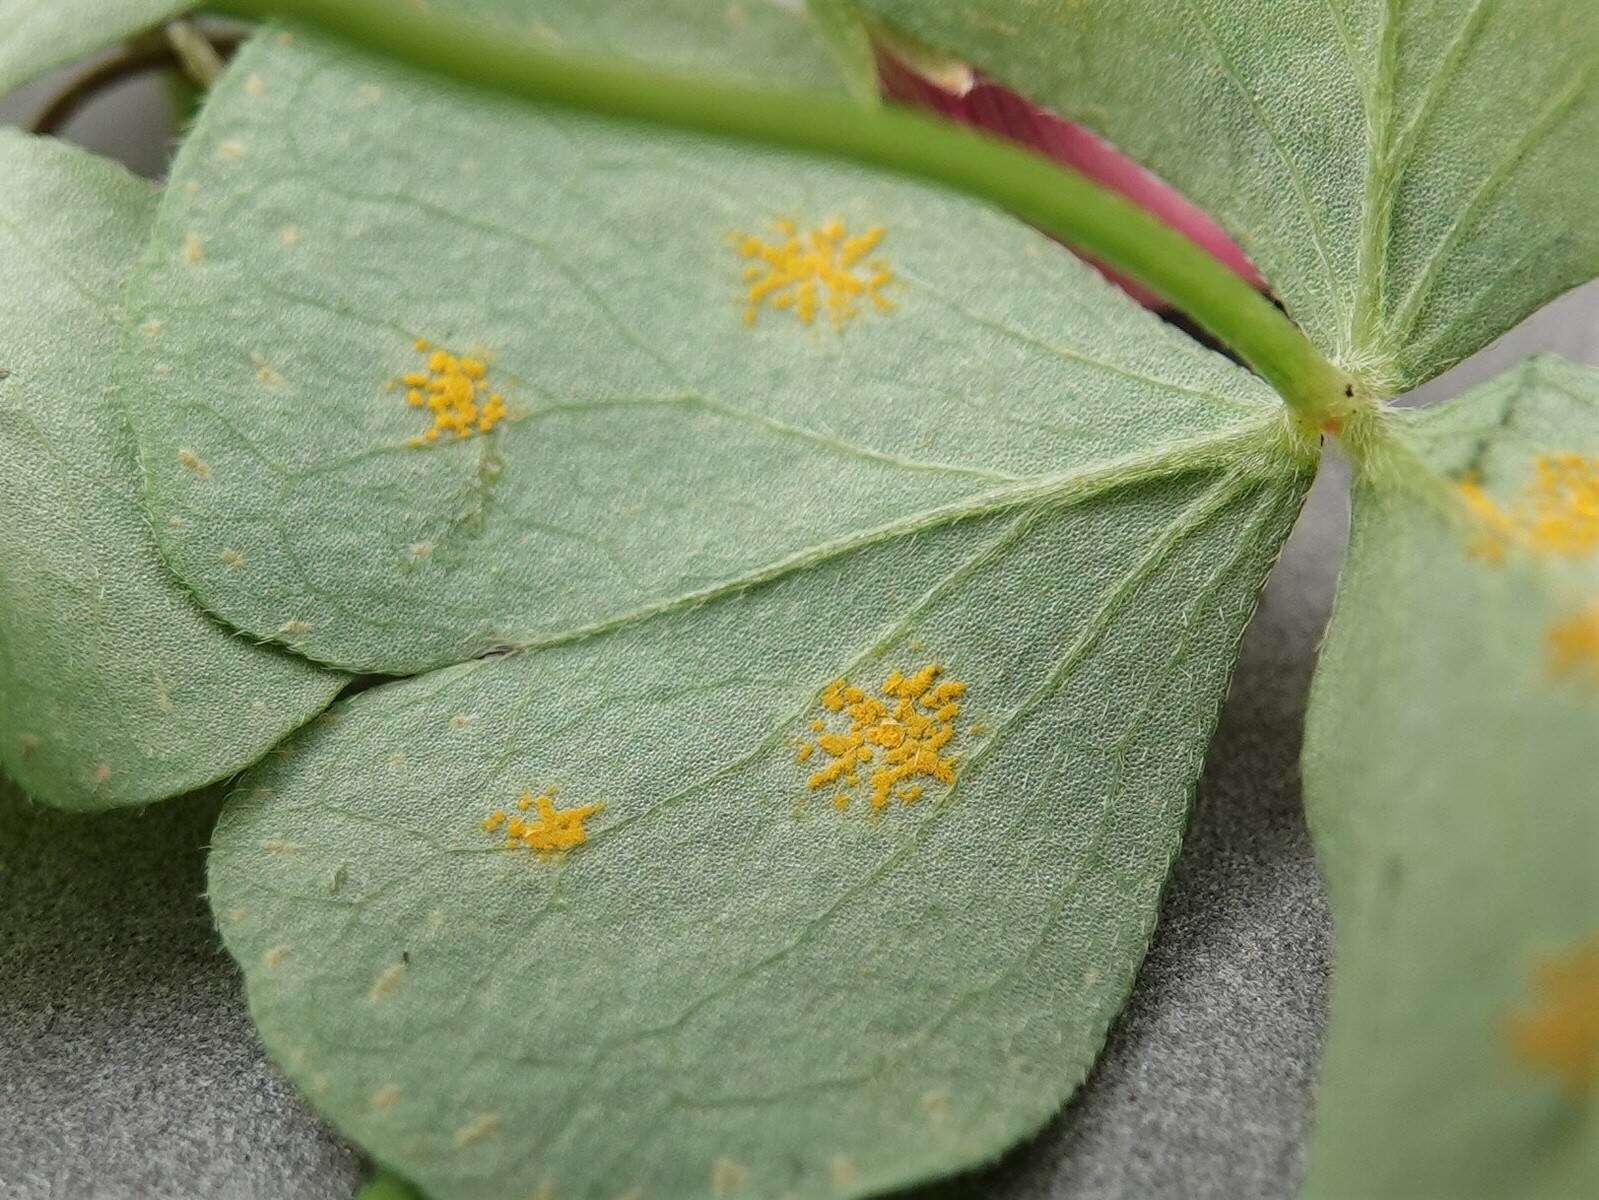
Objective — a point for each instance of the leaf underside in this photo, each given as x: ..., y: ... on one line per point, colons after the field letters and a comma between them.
x: 1449, y: 778
x: 637, y: 588
x: 732, y: 970
x: 36, y: 35
x: 295, y: 265
x: 686, y: 528
x: 118, y: 689
x: 1412, y: 179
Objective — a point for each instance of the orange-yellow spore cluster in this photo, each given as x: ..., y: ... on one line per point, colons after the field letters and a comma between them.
x: 1574, y: 646
x: 822, y: 269
x: 1558, y: 513
x: 550, y: 832
x: 1559, y: 1033
x: 897, y: 738
x: 452, y: 388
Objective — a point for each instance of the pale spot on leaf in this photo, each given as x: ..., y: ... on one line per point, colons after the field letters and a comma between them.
x: 264, y: 371
x: 386, y: 983
x: 841, y: 1169
x: 476, y: 1130
x: 727, y: 1177
x: 194, y: 464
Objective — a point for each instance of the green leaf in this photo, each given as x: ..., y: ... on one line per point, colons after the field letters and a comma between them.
x: 1449, y: 774
x: 36, y: 36
x: 844, y: 32
x: 118, y: 689
x: 1413, y: 179
x: 687, y: 528
x: 388, y: 1187
x: 658, y: 449
x: 795, y: 43
x: 734, y: 980
x: 762, y: 41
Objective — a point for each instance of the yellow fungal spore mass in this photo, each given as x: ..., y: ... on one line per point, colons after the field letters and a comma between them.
x: 1559, y: 1033
x: 551, y: 830
x: 821, y: 270
x: 1558, y: 513
x: 452, y: 388
x: 895, y: 738
x: 1574, y: 646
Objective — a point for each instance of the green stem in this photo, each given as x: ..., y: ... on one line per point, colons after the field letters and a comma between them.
x: 1062, y: 202
x: 196, y: 54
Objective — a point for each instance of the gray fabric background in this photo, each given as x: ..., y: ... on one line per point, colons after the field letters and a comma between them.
x: 128, y: 1066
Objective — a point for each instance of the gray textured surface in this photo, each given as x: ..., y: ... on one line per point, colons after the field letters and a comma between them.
x: 128, y: 1067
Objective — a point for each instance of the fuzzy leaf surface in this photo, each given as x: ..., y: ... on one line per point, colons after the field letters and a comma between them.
x: 733, y: 980
x: 1449, y: 776
x: 118, y: 689
x: 763, y: 41
x: 657, y: 448
x: 791, y: 43
x: 688, y: 528
x: 1412, y: 179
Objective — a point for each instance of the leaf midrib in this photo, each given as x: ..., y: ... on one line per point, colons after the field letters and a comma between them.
x: 1256, y: 445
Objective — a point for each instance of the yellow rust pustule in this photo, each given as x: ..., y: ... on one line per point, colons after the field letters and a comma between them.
x: 825, y: 270
x: 1558, y: 1034
x: 1574, y: 647
x: 897, y: 738
x: 454, y: 390
x: 550, y: 831
x: 1556, y: 515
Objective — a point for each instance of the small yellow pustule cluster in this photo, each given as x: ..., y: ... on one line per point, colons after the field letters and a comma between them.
x: 898, y: 736
x: 1559, y: 1033
x: 551, y: 831
x: 1557, y: 515
x: 822, y: 269
x: 1574, y: 646
x: 453, y: 389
